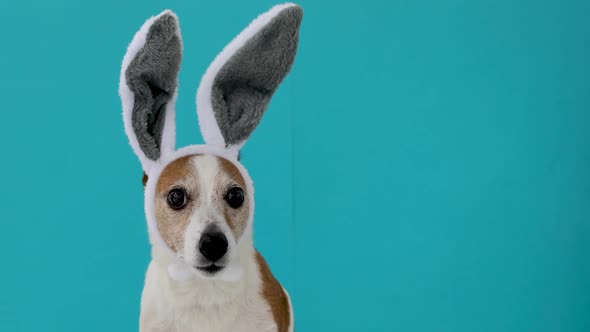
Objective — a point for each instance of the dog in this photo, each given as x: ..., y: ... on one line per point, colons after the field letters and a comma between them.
x: 205, y: 274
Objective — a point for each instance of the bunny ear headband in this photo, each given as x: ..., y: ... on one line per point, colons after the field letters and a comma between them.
x: 232, y: 97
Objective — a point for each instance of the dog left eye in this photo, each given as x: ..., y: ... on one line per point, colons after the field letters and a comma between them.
x: 235, y: 197
x: 177, y: 198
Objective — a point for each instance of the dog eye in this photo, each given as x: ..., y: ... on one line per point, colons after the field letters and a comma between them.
x: 235, y: 197
x: 177, y: 198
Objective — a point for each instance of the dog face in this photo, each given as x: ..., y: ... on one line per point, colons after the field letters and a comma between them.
x: 202, y: 210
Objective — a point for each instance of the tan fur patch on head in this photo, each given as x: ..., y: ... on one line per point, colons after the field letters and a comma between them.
x: 275, y: 296
x: 229, y: 176
x: 233, y: 172
x: 172, y: 223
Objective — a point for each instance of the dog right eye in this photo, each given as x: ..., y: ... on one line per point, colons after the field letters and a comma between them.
x: 177, y: 198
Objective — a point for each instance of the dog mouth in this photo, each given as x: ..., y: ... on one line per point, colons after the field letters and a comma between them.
x: 210, y: 269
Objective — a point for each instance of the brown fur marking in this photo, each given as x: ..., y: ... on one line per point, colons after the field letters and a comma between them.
x: 274, y: 294
x: 172, y: 223
x: 233, y: 171
x: 236, y: 218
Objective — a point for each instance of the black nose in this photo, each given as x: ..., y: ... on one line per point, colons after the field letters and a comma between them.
x: 213, y: 245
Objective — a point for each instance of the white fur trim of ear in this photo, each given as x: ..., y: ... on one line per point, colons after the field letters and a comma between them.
x: 128, y: 99
x: 207, y: 122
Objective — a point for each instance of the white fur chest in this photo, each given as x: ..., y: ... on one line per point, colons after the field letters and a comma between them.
x: 203, y: 307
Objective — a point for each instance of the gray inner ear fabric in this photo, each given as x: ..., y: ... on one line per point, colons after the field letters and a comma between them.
x: 152, y: 77
x: 245, y: 84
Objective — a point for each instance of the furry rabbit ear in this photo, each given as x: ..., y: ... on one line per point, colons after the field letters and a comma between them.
x: 238, y: 85
x: 148, y: 83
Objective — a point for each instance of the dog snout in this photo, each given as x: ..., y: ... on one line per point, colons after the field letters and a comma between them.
x: 213, y: 245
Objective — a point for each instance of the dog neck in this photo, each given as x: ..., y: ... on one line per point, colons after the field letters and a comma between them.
x: 204, y: 292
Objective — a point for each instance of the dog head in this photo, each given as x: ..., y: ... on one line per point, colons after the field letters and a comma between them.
x: 202, y: 209
x: 199, y: 199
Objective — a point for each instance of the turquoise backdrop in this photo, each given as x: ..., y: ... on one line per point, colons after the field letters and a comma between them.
x: 425, y: 167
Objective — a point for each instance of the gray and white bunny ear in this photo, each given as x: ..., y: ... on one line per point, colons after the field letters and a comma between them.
x: 238, y: 85
x: 148, y: 84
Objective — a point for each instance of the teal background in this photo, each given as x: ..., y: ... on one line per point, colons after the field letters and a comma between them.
x: 425, y: 167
